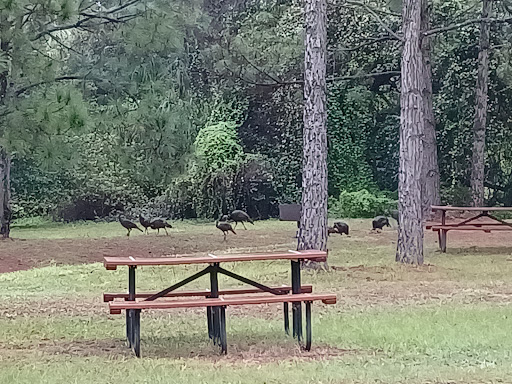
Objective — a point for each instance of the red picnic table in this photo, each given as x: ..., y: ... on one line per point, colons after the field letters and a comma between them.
x: 470, y: 224
x: 214, y: 299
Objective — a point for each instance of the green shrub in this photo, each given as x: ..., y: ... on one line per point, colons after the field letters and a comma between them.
x: 360, y: 204
x: 217, y: 147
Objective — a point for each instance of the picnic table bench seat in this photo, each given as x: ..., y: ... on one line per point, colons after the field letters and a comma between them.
x: 107, y: 297
x: 217, y: 328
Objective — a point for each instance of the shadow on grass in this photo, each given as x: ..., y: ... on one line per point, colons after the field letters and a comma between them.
x: 182, y: 347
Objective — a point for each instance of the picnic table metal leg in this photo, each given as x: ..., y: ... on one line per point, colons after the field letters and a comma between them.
x: 444, y: 234
x: 214, y: 293
x: 222, y: 331
x: 209, y: 319
x: 131, y: 297
x: 296, y: 307
x: 308, y: 326
x: 441, y: 235
x: 286, y: 319
x: 136, y: 331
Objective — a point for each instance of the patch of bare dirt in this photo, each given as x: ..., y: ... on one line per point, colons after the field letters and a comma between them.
x: 23, y: 254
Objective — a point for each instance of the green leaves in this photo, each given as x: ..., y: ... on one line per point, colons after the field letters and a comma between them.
x: 395, y: 6
x: 360, y: 204
x: 217, y: 147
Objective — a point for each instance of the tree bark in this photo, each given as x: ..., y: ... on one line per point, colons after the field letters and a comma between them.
x: 482, y: 86
x: 431, y: 184
x: 412, y: 131
x: 313, y: 223
x: 5, y: 161
x: 5, y: 192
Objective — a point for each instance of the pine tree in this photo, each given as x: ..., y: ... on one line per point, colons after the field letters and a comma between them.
x: 313, y: 224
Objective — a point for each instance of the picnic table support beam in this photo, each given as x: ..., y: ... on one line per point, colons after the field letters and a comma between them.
x: 131, y: 297
x: 251, y: 282
x: 136, y: 331
x: 214, y: 293
x: 308, y: 326
x: 443, y: 234
x: 209, y: 320
x: 180, y: 284
x: 222, y: 331
x: 296, y: 307
x: 286, y: 319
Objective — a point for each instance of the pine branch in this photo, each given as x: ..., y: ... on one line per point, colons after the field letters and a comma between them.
x: 381, y: 11
x: 92, y: 16
x: 377, y: 18
x: 276, y: 80
x: 102, y: 17
x: 57, y: 79
x: 363, y: 76
x: 330, y: 79
x: 121, y: 7
x: 369, y: 42
x: 465, y: 24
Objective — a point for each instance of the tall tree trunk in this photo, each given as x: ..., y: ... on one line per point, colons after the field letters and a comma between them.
x: 482, y: 86
x: 5, y: 161
x: 5, y: 191
x: 313, y: 223
x: 431, y: 184
x: 412, y: 130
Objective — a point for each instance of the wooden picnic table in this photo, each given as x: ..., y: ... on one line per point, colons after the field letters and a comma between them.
x: 215, y: 312
x: 469, y: 224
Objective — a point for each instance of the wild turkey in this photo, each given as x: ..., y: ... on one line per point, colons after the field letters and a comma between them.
x: 145, y: 223
x: 379, y: 222
x: 224, y: 226
x: 239, y: 216
x: 342, y: 227
x: 331, y: 230
x: 159, y: 224
x: 129, y: 225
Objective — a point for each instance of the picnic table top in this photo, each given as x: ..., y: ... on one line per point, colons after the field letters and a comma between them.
x: 474, y: 209
x: 111, y: 262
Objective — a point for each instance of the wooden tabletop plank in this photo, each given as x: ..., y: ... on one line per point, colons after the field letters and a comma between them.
x: 111, y: 262
x: 474, y: 209
x: 117, y: 306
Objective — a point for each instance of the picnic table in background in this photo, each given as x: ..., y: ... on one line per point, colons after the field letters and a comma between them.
x: 469, y: 224
x: 214, y: 299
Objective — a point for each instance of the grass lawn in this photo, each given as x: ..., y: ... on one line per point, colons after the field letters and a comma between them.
x: 449, y: 321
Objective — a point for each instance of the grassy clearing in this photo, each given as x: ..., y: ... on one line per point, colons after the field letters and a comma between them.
x: 448, y: 321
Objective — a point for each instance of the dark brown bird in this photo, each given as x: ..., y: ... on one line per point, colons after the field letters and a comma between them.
x: 379, y: 222
x: 239, y: 216
x: 342, y: 227
x: 159, y: 224
x: 224, y: 226
x: 145, y: 223
x: 129, y: 225
x: 331, y: 230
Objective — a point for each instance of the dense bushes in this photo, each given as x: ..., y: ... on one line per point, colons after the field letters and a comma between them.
x: 94, y: 186
x: 361, y: 203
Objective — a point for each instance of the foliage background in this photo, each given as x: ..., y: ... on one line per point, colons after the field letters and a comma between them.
x: 192, y: 109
